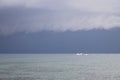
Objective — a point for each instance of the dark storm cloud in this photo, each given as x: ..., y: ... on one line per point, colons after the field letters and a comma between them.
x: 37, y: 15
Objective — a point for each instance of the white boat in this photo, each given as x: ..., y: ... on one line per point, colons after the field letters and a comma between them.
x: 81, y: 54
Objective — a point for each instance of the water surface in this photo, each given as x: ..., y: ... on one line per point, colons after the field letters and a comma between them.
x: 59, y: 67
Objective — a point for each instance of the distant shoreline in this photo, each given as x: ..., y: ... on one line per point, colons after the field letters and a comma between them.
x: 58, y: 53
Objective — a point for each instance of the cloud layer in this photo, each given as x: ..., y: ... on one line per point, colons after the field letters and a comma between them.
x: 54, y: 15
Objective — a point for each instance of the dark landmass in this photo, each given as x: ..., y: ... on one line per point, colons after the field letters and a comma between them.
x: 91, y: 41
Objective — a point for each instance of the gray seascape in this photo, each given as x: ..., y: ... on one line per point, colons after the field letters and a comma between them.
x: 59, y: 67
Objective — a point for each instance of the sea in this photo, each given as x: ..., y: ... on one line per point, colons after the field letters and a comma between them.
x: 59, y: 67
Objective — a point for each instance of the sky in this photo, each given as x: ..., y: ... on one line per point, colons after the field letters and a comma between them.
x: 53, y: 15
x: 58, y: 16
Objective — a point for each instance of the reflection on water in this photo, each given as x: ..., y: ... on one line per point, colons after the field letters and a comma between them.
x: 59, y: 67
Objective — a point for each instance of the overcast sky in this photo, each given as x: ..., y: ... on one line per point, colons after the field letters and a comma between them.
x: 58, y: 15
x: 59, y: 26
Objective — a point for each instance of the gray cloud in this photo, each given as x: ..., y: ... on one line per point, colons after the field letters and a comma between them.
x: 54, y: 15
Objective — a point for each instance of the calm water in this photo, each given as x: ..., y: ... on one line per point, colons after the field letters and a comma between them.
x: 59, y: 67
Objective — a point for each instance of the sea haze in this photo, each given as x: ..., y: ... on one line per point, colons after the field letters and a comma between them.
x: 88, y: 41
x: 59, y: 67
